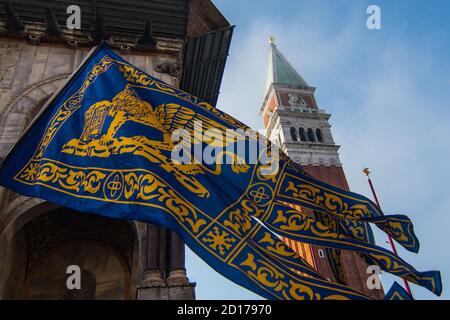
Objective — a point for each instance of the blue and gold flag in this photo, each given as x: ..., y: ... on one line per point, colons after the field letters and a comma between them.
x: 396, y: 292
x: 106, y: 145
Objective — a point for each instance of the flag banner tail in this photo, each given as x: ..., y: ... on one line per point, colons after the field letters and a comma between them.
x: 298, y: 188
x: 295, y: 225
x: 397, y: 292
x: 265, y: 242
x: 355, y: 229
x: 110, y: 143
x: 428, y: 279
x: 361, y: 230
x: 272, y: 279
x: 400, y: 228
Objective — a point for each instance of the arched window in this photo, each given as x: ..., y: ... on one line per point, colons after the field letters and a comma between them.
x: 302, y: 134
x: 319, y: 135
x: 311, y: 136
x: 293, y: 134
x: 321, y: 253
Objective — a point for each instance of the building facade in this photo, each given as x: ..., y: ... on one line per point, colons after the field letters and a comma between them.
x: 184, y: 43
x: 293, y: 120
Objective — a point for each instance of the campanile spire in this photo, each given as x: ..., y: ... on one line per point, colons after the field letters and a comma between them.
x: 280, y: 71
x: 293, y: 120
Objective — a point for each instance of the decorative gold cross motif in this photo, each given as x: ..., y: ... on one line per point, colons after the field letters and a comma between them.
x: 114, y: 186
x: 259, y: 194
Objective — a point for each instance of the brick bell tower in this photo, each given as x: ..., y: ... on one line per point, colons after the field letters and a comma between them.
x: 293, y: 120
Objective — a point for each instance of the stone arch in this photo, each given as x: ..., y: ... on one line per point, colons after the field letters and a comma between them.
x: 139, y: 254
x: 311, y: 135
x: 125, y: 275
x: 302, y: 134
x: 21, y: 106
x: 319, y: 135
x: 293, y: 132
x: 17, y: 214
x: 24, y: 209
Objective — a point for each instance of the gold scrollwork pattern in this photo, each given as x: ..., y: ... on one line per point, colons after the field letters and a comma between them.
x: 396, y: 230
x: 278, y: 247
x: 353, y: 213
x: 136, y: 187
x: 239, y: 221
x: 325, y: 200
x: 297, y: 226
x: 285, y: 286
x: 293, y: 221
x: 265, y: 274
x: 75, y: 180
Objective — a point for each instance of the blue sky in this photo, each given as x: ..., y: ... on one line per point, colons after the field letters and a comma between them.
x: 388, y: 92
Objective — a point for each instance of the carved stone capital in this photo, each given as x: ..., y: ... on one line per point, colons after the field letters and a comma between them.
x: 153, y: 278
x: 172, y: 68
x: 177, y: 277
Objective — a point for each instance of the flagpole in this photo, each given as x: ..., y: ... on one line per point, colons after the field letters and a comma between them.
x: 391, y: 241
